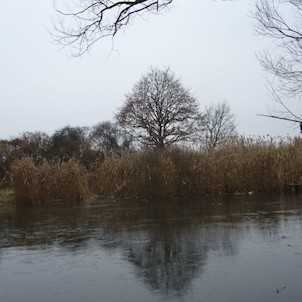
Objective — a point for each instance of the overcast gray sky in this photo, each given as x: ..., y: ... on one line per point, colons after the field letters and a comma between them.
x: 210, y: 45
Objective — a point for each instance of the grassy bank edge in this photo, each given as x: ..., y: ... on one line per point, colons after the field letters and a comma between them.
x: 7, y: 195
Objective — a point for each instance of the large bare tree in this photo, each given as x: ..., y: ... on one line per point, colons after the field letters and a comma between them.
x: 281, y: 20
x: 84, y: 22
x: 219, y: 125
x: 159, y: 111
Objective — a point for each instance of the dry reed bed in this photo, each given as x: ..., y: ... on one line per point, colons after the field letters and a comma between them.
x: 243, y: 165
x: 48, y: 181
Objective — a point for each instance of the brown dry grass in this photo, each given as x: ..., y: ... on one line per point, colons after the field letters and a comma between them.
x: 48, y: 181
x: 255, y: 164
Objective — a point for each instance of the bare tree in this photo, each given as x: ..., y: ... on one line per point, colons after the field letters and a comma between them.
x: 159, y: 111
x: 35, y: 144
x: 219, y: 125
x: 105, y: 137
x: 67, y: 143
x: 281, y: 20
x: 88, y: 21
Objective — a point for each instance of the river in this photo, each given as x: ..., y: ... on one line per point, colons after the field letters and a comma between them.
x: 241, y: 248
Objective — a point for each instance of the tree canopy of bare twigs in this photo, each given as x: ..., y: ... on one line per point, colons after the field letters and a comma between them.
x: 67, y: 143
x: 105, y: 137
x: 219, y: 125
x: 281, y: 20
x: 159, y: 111
x: 84, y: 22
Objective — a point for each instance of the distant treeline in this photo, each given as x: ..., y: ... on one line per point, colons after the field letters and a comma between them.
x: 87, y: 145
x: 62, y: 168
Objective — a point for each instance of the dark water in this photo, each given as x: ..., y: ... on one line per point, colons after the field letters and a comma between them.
x: 236, y: 249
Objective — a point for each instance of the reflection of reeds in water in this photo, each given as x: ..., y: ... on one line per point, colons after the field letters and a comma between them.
x: 240, y: 166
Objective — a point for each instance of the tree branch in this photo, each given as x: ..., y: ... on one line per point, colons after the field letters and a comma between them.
x: 89, y: 21
x: 281, y: 118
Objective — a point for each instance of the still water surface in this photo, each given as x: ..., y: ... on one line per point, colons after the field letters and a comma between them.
x: 235, y: 249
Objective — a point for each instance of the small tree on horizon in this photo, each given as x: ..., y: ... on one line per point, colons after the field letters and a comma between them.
x: 105, y: 137
x: 68, y: 143
x: 219, y: 124
x: 159, y: 111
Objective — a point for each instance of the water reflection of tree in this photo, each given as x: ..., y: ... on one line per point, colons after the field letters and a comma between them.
x: 169, y: 261
x: 167, y: 243
x: 5, y: 222
x: 44, y: 226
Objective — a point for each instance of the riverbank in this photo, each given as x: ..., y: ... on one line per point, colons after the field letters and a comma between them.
x: 7, y: 196
x: 239, y: 167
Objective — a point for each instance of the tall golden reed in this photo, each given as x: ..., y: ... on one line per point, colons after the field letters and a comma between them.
x: 48, y: 181
x: 260, y: 164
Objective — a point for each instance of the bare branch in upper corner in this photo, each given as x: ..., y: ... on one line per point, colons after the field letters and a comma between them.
x: 84, y: 23
x: 281, y: 20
